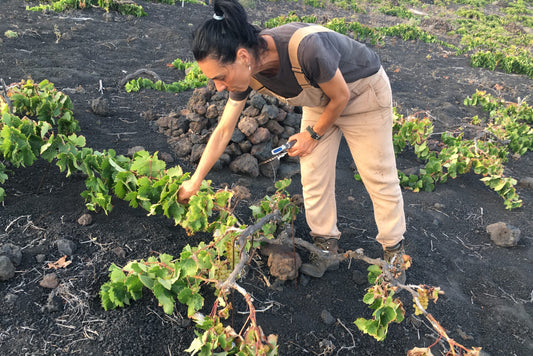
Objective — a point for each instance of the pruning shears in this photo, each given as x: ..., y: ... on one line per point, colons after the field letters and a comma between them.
x: 279, y: 152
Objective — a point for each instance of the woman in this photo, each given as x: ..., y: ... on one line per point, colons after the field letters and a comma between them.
x: 342, y: 89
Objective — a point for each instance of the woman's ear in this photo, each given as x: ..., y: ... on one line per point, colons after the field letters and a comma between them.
x: 243, y: 56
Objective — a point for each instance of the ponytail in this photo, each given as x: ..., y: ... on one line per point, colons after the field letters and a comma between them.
x: 220, y: 36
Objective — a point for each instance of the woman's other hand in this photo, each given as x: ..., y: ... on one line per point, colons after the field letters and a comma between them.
x: 187, y: 190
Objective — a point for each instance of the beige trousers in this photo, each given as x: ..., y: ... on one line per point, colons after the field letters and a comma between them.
x: 366, y: 124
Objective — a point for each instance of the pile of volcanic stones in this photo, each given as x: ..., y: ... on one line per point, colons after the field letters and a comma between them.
x: 265, y: 123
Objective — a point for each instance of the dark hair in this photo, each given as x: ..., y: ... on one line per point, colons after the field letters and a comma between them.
x: 221, y: 38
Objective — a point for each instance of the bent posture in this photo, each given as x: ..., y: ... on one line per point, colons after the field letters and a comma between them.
x: 342, y: 89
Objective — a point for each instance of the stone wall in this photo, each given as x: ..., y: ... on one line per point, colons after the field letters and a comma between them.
x: 265, y: 123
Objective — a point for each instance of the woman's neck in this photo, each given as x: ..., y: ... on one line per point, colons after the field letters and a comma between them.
x: 268, y: 63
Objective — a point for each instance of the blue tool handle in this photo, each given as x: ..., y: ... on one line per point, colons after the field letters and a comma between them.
x: 284, y: 147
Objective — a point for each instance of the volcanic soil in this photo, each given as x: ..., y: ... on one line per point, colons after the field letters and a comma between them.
x: 488, y: 289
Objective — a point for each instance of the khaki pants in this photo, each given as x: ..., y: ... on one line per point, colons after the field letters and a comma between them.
x: 366, y: 124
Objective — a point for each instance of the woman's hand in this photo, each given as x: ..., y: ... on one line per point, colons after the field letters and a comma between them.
x: 304, y: 145
x: 187, y: 190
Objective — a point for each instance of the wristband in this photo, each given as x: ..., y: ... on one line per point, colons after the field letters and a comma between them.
x: 313, y: 134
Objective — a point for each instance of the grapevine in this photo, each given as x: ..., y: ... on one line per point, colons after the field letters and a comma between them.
x: 507, y: 130
x: 46, y: 130
x: 194, y: 78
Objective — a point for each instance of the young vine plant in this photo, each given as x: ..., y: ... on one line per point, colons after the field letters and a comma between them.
x: 123, y: 7
x: 194, y: 78
x: 506, y: 131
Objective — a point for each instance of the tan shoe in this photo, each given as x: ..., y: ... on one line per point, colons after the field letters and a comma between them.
x: 393, y: 256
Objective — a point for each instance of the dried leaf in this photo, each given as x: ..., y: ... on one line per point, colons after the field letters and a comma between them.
x: 476, y: 351
x: 419, y: 351
x: 61, y: 263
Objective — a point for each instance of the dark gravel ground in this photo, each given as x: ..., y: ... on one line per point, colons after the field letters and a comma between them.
x: 487, y: 299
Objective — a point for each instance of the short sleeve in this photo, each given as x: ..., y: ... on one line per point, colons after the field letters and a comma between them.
x: 239, y: 96
x: 319, y: 58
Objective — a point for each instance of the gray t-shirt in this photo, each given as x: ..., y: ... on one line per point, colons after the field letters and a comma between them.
x: 319, y: 54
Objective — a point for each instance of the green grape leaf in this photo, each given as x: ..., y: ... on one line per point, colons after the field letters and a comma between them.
x: 134, y: 286
x: 189, y: 267
x: 117, y: 294
x: 165, y: 298
x: 116, y: 274
x: 374, y: 271
x: 107, y: 304
x: 385, y: 315
x: 193, y: 300
x: 147, y: 280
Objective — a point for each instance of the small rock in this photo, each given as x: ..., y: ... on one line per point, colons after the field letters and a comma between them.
x: 194, y: 117
x: 293, y: 120
x: 197, y: 151
x: 10, y: 298
x: 182, y: 147
x: 246, y: 164
x: 245, y: 146
x: 327, y: 318
x: 288, y: 132
x: 247, y: 125
x: 40, y: 258
x: 7, y: 270
x: 49, y: 281
x: 281, y: 115
x: 250, y: 111
x: 257, y: 101
x: 503, y: 234
x: 164, y: 122
x: 359, y: 277
x: 259, y: 136
x: 233, y: 149
x: 262, y: 151
x: 200, y: 109
x: 167, y: 157
x: 270, y: 112
x: 283, y: 262
x: 100, y: 106
x: 237, y: 136
x: 274, y: 127
x: 438, y: 206
x: 133, y: 150
x: 526, y: 182
x: 197, y: 127
x: 241, y: 193
x: 85, y: 219
x: 66, y: 247
x: 211, y: 112
x: 119, y: 251
x: 271, y: 100
x: 222, y: 162
x: 13, y: 252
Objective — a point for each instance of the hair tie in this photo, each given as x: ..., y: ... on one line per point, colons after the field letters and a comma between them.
x: 218, y: 17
